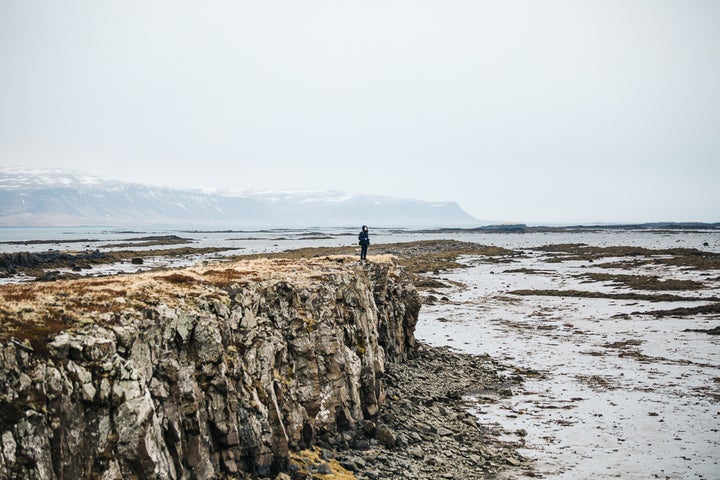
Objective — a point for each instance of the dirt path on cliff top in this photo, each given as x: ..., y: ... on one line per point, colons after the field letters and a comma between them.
x: 629, y: 373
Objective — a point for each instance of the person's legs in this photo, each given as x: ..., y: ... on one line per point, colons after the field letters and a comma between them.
x: 363, y: 252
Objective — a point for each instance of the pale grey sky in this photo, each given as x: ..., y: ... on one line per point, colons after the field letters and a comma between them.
x: 531, y: 111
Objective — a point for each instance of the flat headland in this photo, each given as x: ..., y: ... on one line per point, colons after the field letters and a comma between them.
x: 111, y: 348
x: 562, y: 360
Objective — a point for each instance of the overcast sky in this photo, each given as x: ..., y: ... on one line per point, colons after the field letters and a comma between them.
x: 530, y: 111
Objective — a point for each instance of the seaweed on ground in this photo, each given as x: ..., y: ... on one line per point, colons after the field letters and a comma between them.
x: 709, y: 331
x: 682, y: 257
x: 710, y: 309
x: 643, y: 282
x: 529, y: 271
x: 151, y: 241
x: 664, y: 297
x: 437, y: 255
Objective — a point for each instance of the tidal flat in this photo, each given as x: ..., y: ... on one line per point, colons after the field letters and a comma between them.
x: 625, y: 344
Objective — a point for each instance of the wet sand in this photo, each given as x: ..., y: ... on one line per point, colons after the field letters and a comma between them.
x: 617, y: 393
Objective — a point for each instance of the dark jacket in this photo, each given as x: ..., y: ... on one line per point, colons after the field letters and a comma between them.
x: 364, y: 238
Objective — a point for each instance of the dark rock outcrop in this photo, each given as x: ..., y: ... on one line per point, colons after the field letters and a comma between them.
x: 211, y: 374
x: 10, y: 262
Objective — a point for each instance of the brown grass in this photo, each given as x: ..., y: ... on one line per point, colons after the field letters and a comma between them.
x: 177, y: 279
x: 229, y: 276
x: 23, y: 293
x: 36, y: 312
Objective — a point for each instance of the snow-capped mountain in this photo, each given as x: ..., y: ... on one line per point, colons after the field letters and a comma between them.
x: 65, y: 198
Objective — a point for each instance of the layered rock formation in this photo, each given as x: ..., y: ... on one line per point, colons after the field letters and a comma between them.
x: 212, y: 372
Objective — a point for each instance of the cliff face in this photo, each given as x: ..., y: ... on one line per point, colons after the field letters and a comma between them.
x: 208, y: 372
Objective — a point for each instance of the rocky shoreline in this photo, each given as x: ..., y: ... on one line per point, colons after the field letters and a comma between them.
x: 76, y: 352
x: 237, y: 370
x: 414, y: 415
x: 425, y: 431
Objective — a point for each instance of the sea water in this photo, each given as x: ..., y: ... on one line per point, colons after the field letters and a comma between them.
x: 66, y: 238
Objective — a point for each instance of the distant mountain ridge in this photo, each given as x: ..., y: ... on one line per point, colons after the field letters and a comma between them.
x: 56, y: 197
x: 522, y: 228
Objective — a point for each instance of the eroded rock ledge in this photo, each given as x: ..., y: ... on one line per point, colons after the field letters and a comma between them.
x: 208, y: 372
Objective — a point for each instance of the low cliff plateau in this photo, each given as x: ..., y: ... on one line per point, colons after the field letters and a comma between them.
x: 209, y: 372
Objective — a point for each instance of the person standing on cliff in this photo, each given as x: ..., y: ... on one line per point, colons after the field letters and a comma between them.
x: 364, y: 241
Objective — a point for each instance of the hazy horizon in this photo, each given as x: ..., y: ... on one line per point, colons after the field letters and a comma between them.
x: 553, y: 112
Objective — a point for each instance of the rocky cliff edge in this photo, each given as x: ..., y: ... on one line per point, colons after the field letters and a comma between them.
x: 208, y: 372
